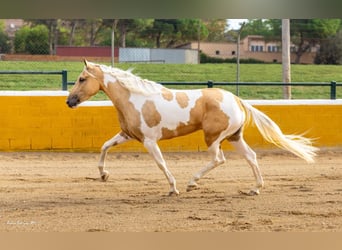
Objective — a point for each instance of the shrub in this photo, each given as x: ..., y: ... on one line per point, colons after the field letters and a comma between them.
x: 20, y: 39
x: 208, y: 59
x: 37, y: 40
x: 32, y: 40
x: 5, y: 46
x: 330, y: 51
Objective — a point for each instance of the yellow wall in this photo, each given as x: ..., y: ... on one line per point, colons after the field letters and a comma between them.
x: 42, y: 121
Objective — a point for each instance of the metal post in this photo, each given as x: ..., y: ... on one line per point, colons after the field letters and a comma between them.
x: 199, y: 42
x: 113, y: 42
x: 238, y: 60
x: 210, y: 84
x: 286, y: 58
x: 333, y: 90
x: 64, y: 80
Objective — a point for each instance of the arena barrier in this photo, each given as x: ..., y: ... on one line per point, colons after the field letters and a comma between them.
x: 40, y: 120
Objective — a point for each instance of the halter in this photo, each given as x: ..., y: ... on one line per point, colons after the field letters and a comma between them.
x: 92, y: 75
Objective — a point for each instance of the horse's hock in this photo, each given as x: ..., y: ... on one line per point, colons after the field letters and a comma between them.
x: 40, y: 120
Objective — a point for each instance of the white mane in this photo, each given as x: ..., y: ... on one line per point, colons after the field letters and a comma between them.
x: 132, y: 82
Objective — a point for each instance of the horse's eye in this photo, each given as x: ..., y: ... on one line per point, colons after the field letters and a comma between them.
x: 81, y: 79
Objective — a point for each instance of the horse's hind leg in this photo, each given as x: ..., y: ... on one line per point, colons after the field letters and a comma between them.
x: 217, y: 158
x: 117, y: 139
x: 154, y: 151
x: 242, y: 147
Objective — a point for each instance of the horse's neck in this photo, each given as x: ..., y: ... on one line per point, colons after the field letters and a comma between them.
x: 118, y: 95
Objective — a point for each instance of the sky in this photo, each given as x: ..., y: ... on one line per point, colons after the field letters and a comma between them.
x: 235, y: 23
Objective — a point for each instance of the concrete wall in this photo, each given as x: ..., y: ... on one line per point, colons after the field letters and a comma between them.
x: 40, y: 120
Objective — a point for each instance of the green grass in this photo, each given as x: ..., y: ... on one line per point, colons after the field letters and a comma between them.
x: 187, y: 73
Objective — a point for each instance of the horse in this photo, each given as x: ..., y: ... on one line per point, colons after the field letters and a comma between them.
x: 149, y: 112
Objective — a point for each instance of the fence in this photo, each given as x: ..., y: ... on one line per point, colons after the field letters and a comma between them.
x: 209, y: 84
x: 63, y: 73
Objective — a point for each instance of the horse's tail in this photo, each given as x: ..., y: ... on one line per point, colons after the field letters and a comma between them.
x: 296, y: 144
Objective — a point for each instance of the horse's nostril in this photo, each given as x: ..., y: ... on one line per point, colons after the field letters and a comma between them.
x: 72, y: 101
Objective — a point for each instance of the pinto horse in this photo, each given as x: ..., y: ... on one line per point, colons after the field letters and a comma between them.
x: 149, y: 112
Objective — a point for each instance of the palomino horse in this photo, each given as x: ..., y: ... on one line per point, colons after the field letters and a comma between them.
x: 149, y: 112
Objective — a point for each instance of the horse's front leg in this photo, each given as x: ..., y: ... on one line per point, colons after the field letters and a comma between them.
x: 154, y: 150
x: 116, y: 140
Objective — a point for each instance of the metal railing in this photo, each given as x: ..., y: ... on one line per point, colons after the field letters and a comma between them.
x: 63, y: 73
x: 209, y: 84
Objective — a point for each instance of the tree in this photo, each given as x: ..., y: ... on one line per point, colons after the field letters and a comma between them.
x: 163, y: 27
x: 170, y: 32
x: 94, y: 26
x: 215, y: 29
x: 71, y: 26
x: 306, y: 33
x: 138, y: 35
x: 80, y: 32
x: 132, y: 29
x: 330, y: 51
x: 192, y: 29
x: 269, y: 28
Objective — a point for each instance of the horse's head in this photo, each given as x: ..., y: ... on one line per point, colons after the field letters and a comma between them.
x: 87, y: 84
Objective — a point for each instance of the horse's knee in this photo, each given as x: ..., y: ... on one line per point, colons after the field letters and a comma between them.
x: 107, y: 145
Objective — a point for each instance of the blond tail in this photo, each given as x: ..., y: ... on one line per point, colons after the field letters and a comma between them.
x: 296, y: 144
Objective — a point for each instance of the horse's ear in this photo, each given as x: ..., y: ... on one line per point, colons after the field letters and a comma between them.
x: 85, y: 62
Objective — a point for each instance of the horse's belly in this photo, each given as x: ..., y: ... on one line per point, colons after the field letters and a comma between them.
x: 182, y: 129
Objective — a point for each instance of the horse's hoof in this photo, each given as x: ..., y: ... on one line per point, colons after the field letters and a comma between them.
x: 174, y: 193
x: 105, y: 176
x: 251, y: 192
x: 254, y: 192
x: 192, y: 187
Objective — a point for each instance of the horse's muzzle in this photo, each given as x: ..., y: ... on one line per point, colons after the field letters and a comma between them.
x: 72, y: 101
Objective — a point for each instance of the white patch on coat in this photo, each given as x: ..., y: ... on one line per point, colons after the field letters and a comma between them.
x: 108, y: 78
x: 231, y: 108
x: 172, y: 115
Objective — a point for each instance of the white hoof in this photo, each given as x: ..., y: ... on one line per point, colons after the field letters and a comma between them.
x: 174, y: 193
x: 192, y: 186
x: 252, y: 192
x: 105, y: 175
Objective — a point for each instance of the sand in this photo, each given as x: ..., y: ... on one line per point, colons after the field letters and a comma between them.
x: 61, y: 192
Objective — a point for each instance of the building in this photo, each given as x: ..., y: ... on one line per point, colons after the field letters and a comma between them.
x: 251, y: 47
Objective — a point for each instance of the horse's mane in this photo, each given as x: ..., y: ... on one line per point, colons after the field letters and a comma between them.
x: 132, y: 82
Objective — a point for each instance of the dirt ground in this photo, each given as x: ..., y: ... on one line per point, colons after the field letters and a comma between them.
x: 61, y: 192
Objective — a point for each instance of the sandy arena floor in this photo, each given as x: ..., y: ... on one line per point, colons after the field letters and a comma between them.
x: 61, y: 192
